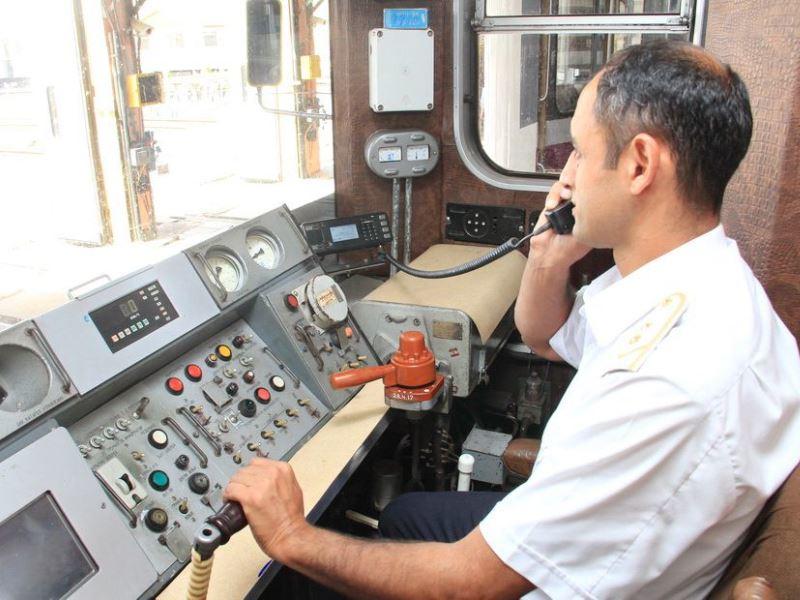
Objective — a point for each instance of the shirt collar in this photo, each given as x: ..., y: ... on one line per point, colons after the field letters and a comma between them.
x: 617, y: 302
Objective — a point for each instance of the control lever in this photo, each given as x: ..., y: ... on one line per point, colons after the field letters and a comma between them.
x: 410, y: 379
x: 216, y: 531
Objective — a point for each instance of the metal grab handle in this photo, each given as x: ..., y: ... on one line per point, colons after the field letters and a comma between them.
x: 172, y: 424
x: 211, y: 270
x: 355, y: 377
x: 182, y: 410
x: 71, y: 291
x: 66, y: 385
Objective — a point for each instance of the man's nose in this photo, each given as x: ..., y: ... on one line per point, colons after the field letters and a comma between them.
x: 567, y: 176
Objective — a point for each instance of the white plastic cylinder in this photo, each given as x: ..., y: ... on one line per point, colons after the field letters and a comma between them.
x: 465, y: 464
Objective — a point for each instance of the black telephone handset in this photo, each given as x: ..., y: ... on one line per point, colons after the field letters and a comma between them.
x: 561, y: 219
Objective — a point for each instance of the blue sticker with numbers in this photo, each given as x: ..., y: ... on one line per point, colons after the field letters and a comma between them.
x: 405, y: 18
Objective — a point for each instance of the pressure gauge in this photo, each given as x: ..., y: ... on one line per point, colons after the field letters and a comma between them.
x: 263, y: 249
x: 420, y: 152
x: 226, y: 269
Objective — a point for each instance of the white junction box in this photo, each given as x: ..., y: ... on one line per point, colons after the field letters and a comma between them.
x: 401, y: 70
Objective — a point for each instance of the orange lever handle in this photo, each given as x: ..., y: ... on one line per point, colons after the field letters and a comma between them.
x: 355, y: 377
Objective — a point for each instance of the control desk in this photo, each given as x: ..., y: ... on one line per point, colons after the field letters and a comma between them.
x: 124, y: 412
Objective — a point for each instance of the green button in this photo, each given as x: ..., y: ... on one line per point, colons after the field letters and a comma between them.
x: 159, y: 480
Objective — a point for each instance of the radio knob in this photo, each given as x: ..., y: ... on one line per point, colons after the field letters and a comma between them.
x: 156, y: 519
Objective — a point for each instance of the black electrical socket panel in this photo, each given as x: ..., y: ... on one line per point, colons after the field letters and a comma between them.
x: 483, y: 224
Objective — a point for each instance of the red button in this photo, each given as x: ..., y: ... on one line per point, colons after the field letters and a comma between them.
x: 175, y: 386
x: 348, y: 331
x: 194, y: 373
x: 292, y: 302
x: 263, y: 395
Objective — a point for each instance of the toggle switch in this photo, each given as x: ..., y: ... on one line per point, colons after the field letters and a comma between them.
x: 122, y: 481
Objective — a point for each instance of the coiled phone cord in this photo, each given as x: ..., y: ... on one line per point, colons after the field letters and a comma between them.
x: 560, y: 219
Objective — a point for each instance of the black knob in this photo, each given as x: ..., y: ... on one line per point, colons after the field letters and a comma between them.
x: 156, y: 519
x: 248, y: 376
x: 247, y: 408
x: 182, y: 462
x: 232, y: 389
x: 238, y: 341
x: 199, y: 483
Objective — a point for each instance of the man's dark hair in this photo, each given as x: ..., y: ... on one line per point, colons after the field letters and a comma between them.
x: 681, y: 94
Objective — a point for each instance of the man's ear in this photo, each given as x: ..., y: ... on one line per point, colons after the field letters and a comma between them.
x: 641, y: 161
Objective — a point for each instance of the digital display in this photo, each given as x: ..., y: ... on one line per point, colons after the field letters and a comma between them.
x: 393, y: 154
x: 344, y: 233
x: 40, y: 554
x: 132, y: 317
x: 421, y: 152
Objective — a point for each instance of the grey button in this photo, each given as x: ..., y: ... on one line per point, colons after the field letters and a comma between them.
x: 419, y: 170
x: 385, y: 229
x: 389, y: 139
x: 417, y: 137
x: 390, y: 172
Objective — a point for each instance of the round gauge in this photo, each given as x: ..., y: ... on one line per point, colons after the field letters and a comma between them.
x: 263, y: 249
x: 226, y: 268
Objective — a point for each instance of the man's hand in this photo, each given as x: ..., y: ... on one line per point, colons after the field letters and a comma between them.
x: 272, y: 502
x: 549, y: 249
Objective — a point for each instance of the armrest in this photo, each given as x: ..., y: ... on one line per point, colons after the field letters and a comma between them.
x: 520, y: 455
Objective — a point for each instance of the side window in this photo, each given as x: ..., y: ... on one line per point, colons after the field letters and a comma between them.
x: 521, y: 65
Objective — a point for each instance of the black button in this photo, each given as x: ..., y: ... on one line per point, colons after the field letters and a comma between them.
x: 238, y: 341
x: 247, y: 408
x: 182, y: 462
x: 156, y: 519
x: 232, y: 388
x: 199, y: 483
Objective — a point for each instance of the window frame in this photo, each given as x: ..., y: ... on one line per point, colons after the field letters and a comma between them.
x: 470, y: 20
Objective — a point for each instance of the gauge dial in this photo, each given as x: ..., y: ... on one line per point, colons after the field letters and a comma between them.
x: 226, y: 269
x: 263, y: 249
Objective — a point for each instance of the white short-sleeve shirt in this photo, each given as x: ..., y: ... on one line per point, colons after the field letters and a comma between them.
x: 680, y: 423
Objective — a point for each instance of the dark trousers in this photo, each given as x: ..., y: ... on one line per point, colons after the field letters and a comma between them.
x: 420, y: 516
x: 436, y: 516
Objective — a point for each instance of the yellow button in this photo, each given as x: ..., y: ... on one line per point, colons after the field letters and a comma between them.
x: 224, y: 352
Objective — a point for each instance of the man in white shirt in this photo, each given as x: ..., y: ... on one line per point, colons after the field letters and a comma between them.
x: 683, y: 417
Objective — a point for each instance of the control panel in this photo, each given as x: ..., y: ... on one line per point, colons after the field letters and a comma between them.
x: 306, y: 318
x: 125, y: 412
x: 348, y: 233
x: 164, y: 449
x: 483, y: 224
